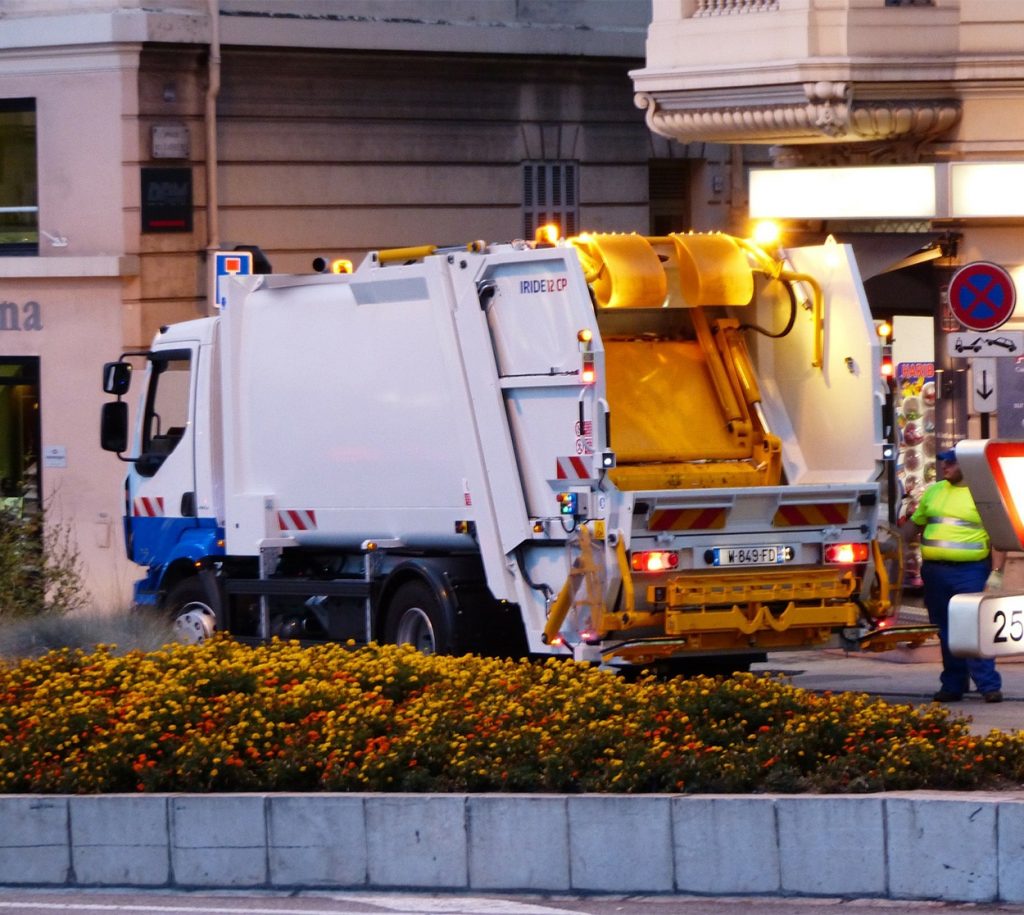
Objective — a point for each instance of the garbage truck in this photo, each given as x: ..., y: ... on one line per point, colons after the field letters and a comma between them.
x: 629, y: 450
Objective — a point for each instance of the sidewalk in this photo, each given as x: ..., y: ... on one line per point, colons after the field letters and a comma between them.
x: 902, y: 675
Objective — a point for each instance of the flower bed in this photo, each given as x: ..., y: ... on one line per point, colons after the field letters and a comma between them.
x: 228, y: 717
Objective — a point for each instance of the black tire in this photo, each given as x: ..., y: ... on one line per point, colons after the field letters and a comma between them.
x: 188, y: 607
x: 416, y: 617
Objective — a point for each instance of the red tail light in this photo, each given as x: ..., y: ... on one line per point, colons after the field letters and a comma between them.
x: 588, y: 374
x: 846, y: 553
x: 654, y: 561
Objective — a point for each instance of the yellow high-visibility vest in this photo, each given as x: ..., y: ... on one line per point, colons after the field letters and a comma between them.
x: 952, y: 526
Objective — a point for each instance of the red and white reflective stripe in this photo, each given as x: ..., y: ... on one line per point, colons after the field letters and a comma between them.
x: 687, y: 519
x: 811, y: 515
x: 148, y: 507
x: 573, y: 468
x: 297, y: 519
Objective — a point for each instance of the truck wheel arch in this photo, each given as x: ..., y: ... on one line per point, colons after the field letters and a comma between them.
x: 423, y: 578
x: 182, y: 585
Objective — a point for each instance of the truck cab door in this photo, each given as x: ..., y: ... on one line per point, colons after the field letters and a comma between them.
x: 161, y: 485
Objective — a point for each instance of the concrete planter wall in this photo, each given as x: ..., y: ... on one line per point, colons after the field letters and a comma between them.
x: 885, y: 845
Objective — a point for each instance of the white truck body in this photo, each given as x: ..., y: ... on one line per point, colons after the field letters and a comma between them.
x: 389, y: 422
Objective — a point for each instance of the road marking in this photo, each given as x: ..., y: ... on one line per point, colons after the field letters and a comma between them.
x: 199, y: 907
x: 407, y: 905
x: 462, y: 904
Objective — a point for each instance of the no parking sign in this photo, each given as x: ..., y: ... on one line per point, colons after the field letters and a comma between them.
x: 982, y: 296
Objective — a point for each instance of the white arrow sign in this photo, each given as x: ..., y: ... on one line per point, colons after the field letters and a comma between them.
x: 969, y: 343
x: 983, y: 386
x: 986, y: 626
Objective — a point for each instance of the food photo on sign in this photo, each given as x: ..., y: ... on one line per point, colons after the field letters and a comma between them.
x: 915, y: 459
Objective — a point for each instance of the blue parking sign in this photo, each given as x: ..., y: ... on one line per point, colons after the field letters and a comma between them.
x: 226, y: 264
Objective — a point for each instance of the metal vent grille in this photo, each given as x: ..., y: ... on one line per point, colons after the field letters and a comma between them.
x: 550, y: 195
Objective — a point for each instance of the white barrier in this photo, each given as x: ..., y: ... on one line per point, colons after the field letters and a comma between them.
x: 894, y: 845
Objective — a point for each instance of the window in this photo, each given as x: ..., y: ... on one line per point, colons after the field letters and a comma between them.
x: 167, y: 404
x: 668, y: 195
x: 550, y: 195
x: 19, y: 209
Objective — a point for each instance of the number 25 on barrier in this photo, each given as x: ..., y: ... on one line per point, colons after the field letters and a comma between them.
x: 983, y: 626
x: 1009, y: 625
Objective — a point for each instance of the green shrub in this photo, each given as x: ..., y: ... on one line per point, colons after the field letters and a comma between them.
x: 222, y: 716
x: 40, y: 568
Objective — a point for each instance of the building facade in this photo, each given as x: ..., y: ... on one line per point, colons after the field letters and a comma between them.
x: 837, y: 84
x: 138, y: 137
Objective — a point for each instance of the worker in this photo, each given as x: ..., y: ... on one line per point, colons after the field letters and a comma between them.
x: 956, y: 559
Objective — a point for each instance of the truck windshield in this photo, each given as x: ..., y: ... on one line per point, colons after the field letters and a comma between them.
x: 167, y: 408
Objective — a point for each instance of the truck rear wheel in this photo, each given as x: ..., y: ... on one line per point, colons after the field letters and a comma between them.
x: 416, y: 617
x: 192, y: 617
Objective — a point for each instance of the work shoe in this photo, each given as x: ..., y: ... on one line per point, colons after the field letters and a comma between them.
x: 944, y: 696
x: 994, y: 696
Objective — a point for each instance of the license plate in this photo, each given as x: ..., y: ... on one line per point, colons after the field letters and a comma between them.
x: 752, y: 555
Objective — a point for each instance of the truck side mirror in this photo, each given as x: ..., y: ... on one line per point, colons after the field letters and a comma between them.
x: 117, y: 378
x: 114, y: 425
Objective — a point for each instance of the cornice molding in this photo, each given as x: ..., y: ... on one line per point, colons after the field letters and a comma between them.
x: 827, y: 112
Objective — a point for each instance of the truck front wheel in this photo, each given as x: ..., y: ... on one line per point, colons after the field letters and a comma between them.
x: 416, y: 617
x: 191, y: 615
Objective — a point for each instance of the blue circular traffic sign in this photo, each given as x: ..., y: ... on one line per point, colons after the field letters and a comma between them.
x: 982, y: 296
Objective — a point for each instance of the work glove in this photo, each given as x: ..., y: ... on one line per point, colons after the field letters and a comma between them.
x: 994, y: 582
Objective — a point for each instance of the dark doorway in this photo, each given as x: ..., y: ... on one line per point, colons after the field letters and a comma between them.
x: 20, y: 453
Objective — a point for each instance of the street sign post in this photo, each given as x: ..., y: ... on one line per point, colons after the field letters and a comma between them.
x: 982, y: 296
x: 983, y: 386
x: 986, y: 625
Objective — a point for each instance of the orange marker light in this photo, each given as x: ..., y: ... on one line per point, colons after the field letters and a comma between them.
x: 341, y: 265
x: 547, y: 234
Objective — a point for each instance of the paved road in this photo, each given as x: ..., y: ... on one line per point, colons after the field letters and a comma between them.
x: 93, y: 902
x: 904, y: 676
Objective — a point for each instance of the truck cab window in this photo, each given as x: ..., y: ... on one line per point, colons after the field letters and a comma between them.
x: 166, y: 416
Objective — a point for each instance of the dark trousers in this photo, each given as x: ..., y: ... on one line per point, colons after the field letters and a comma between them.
x: 941, y: 581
